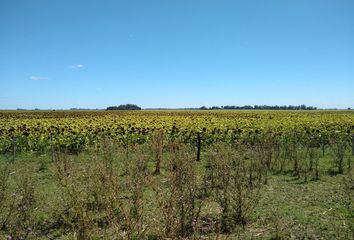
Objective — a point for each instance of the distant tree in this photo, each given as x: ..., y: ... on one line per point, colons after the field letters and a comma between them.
x: 203, y: 108
x: 229, y: 107
x: 112, y: 108
x: 124, y: 107
x: 266, y: 107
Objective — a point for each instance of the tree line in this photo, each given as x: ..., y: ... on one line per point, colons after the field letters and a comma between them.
x: 226, y: 107
x: 261, y: 107
x: 124, y: 107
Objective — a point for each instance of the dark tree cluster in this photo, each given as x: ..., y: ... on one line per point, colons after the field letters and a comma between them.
x: 124, y: 107
x: 261, y: 107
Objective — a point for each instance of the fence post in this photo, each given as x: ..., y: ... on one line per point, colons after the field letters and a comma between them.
x: 13, y: 148
x: 127, y: 147
x: 353, y: 144
x: 51, y: 145
x: 198, y: 146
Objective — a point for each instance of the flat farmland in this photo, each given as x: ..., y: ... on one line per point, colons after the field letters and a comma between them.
x: 213, y: 174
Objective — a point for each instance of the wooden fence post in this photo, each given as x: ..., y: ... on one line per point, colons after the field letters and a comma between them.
x: 51, y: 145
x: 353, y: 144
x: 198, y: 146
x: 127, y: 147
x: 13, y: 148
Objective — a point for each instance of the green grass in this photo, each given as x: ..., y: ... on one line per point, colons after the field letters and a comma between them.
x: 314, y: 210
x: 286, y: 208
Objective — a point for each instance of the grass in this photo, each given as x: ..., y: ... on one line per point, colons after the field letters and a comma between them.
x: 285, y: 208
x: 292, y: 209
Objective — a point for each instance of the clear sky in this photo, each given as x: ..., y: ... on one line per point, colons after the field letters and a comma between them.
x: 176, y: 53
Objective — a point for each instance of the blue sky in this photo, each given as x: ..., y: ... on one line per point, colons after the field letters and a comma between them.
x: 176, y: 53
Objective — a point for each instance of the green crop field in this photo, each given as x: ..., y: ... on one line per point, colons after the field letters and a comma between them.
x: 179, y: 174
